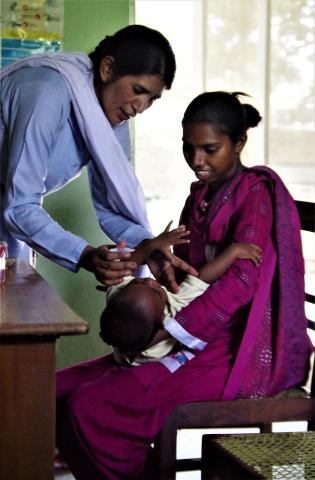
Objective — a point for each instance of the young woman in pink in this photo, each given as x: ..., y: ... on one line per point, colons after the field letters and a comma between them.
x: 244, y: 337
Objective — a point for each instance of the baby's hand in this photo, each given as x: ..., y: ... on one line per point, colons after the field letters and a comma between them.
x: 167, y: 239
x: 248, y: 251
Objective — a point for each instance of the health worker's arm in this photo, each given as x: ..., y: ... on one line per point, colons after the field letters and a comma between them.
x: 35, y: 111
x: 203, y: 319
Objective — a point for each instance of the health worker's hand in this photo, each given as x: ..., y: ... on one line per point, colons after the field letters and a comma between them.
x: 108, y: 267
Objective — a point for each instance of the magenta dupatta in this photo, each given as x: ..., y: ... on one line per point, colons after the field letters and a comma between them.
x: 280, y: 297
x: 274, y: 349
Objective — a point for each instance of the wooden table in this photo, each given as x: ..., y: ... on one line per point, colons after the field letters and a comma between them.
x: 265, y: 456
x: 32, y: 317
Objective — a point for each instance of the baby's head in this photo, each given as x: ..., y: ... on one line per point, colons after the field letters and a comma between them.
x: 133, y: 315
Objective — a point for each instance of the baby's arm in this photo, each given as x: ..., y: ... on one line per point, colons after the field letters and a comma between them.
x: 211, y: 271
x: 160, y: 243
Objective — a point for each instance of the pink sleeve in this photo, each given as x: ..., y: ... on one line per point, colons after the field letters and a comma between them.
x: 208, y: 315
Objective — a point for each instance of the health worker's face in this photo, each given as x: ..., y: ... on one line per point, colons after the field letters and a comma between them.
x: 128, y: 95
x: 210, y: 154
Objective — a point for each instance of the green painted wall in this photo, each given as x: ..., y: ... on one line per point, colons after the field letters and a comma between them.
x: 85, y: 24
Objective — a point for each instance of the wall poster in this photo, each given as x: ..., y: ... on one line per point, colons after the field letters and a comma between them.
x: 29, y: 27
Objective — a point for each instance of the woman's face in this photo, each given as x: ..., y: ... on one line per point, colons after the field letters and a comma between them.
x: 211, y: 155
x: 128, y: 95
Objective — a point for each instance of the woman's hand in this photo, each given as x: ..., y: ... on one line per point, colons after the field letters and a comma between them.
x: 108, y: 267
x: 163, y: 261
x: 162, y: 268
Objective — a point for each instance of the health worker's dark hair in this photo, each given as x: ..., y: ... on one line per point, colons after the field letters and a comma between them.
x: 136, y: 50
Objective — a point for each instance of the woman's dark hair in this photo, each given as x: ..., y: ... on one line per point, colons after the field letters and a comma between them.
x: 137, y: 50
x: 224, y: 112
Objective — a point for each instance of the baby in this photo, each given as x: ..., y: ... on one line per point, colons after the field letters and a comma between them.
x: 137, y: 308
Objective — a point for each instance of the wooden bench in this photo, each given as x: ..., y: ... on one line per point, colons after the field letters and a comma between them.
x: 32, y: 317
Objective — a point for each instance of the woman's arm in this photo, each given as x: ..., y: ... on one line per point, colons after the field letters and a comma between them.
x: 208, y: 315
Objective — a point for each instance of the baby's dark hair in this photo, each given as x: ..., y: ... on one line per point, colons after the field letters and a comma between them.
x: 224, y: 112
x: 136, y: 50
x: 127, y: 325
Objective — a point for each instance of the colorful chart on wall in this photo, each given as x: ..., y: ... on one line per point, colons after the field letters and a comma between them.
x: 29, y: 27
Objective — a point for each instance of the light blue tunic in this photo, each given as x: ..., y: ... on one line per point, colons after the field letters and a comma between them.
x: 42, y: 150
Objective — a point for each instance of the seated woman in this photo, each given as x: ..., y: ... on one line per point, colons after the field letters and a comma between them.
x: 245, y: 336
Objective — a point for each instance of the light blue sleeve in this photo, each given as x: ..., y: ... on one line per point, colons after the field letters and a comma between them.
x: 114, y: 225
x: 37, y: 111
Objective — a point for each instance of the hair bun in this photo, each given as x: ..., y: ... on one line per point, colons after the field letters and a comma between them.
x: 251, y: 115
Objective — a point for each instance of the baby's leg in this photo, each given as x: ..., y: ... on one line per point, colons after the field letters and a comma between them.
x: 70, y: 378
